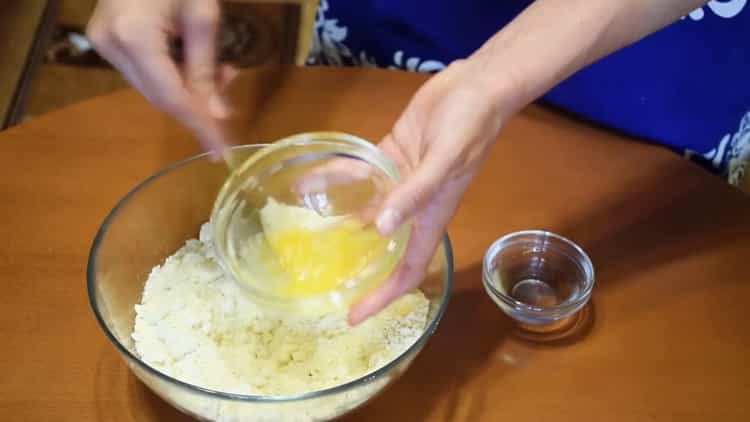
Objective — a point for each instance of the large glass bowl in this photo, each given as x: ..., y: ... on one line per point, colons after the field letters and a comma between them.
x: 152, y: 222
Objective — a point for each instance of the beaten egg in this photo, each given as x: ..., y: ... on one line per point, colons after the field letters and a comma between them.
x: 316, y: 253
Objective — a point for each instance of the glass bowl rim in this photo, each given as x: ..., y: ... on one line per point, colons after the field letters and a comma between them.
x: 562, y: 308
x: 363, y: 380
x: 338, y: 144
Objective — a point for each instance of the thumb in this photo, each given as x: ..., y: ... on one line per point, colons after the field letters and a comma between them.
x: 414, y: 193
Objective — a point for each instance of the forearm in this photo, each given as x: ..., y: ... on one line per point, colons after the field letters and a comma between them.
x: 552, y: 39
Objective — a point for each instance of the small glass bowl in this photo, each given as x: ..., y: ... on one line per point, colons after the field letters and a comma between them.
x: 334, y: 175
x: 539, y: 279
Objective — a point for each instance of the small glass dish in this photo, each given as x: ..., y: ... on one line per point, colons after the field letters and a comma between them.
x: 539, y: 279
x: 293, y: 222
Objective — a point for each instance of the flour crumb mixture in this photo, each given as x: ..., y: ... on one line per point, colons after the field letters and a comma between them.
x: 195, y: 324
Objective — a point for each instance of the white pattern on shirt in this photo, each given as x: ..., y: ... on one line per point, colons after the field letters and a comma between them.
x: 726, y: 9
x: 328, y: 48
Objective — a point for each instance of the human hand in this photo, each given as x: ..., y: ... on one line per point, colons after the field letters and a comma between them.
x: 134, y: 36
x: 439, y: 140
x: 438, y: 144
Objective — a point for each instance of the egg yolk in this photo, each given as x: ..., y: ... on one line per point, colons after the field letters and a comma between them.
x: 319, y: 260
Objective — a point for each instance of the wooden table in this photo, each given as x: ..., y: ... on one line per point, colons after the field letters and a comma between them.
x: 669, y: 339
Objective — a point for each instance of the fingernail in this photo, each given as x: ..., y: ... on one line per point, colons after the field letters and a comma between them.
x: 357, y: 316
x: 387, y: 221
x: 354, y: 320
x: 218, y: 107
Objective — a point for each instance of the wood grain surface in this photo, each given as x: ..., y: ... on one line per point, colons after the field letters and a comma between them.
x: 25, y: 27
x: 668, y: 339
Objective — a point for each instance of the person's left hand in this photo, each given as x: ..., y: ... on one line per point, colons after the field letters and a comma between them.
x: 438, y: 144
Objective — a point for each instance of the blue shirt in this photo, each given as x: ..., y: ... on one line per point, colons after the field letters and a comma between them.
x: 686, y: 87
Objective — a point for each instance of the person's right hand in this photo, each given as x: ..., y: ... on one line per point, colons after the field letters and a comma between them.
x: 134, y: 36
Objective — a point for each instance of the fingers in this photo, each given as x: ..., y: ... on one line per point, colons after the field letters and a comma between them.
x: 374, y: 303
x: 138, y: 47
x: 164, y: 87
x: 110, y: 46
x: 140, y: 55
x: 200, y: 22
x: 218, y: 104
x: 349, y: 173
x: 336, y: 171
x: 413, y: 193
x: 407, y: 276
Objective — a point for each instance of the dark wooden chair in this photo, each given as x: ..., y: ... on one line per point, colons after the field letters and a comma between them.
x: 25, y: 28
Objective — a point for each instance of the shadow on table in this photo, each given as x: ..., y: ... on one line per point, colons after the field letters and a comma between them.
x: 670, y: 215
x: 470, y: 333
x: 154, y: 406
x: 120, y: 396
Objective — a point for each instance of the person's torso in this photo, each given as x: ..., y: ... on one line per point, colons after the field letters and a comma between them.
x: 686, y: 87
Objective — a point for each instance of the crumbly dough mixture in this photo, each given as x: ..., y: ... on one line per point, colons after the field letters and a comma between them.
x: 197, y: 325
